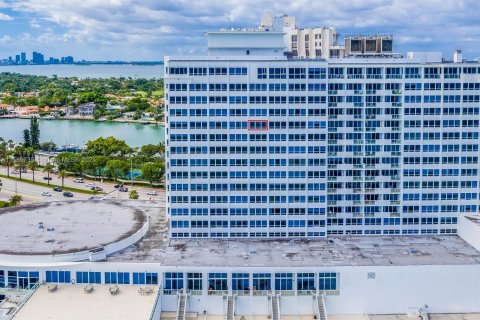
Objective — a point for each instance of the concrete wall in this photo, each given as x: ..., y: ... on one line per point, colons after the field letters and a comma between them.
x: 394, y: 289
x: 469, y: 231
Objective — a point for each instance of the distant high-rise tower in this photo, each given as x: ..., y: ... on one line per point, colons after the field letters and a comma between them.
x: 23, y: 59
x: 38, y: 58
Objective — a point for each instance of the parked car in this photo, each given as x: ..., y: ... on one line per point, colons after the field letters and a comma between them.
x: 16, y: 171
x: 68, y: 194
x: 46, y: 194
x: 47, y: 178
x: 123, y: 189
x: 152, y: 193
x: 57, y: 189
x: 78, y: 180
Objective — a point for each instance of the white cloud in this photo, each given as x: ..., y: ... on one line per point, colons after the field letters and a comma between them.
x: 172, y: 26
x: 5, y: 40
x: 5, y: 17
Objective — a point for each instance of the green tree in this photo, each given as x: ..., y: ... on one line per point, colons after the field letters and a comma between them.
x: 48, y: 146
x: 117, y: 168
x: 21, y: 165
x: 7, y: 161
x: 62, y: 174
x: 93, y: 96
x: 34, y: 133
x: 33, y: 165
x: 153, y: 172
x: 15, y: 200
x: 133, y: 194
x: 69, y: 161
x: 107, y: 147
x: 27, y: 141
x: 48, y: 169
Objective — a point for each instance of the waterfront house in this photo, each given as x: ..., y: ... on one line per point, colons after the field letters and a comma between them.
x: 129, y: 115
x: 7, y: 107
x: 87, y: 109
x: 71, y: 111
x: 26, y: 111
x: 118, y: 106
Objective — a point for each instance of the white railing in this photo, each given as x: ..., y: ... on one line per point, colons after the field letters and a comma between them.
x: 24, y: 300
x: 324, y: 306
x: 157, y: 298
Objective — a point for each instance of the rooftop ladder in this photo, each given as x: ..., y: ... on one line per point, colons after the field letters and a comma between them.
x: 181, y: 307
x: 275, y: 307
x: 230, y: 308
x: 320, y: 309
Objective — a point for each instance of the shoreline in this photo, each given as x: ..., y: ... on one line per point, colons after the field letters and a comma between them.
x: 146, y: 122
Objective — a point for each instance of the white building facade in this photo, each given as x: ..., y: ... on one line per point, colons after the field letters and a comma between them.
x: 263, y: 146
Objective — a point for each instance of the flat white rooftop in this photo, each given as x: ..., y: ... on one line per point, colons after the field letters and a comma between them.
x: 156, y: 247
x: 70, y: 302
x: 62, y: 227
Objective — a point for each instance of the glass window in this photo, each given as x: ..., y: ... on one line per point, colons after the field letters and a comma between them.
x: 240, y: 283
x: 283, y: 281
x: 194, y: 281
x: 306, y: 282
x: 173, y: 282
x: 262, y: 282
x: 217, y: 283
x: 328, y: 281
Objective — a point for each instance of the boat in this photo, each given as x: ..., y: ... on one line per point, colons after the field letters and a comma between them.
x: 49, y: 117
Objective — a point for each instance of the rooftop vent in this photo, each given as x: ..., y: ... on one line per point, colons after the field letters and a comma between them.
x: 457, y: 56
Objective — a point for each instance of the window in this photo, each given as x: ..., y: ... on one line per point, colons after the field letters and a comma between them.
x: 194, y: 281
x: 217, y: 282
x: 173, y: 282
x: 145, y: 278
x: 117, y: 278
x: 240, y: 283
x: 88, y: 277
x: 57, y: 276
x: 305, y: 282
x: 262, y: 282
x: 283, y: 281
x: 328, y: 281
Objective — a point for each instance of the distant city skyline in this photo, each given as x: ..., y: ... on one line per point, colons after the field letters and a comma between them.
x: 21, y: 58
x: 148, y: 30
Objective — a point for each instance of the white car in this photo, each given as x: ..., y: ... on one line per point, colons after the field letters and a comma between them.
x: 152, y: 193
x: 78, y: 180
x: 90, y: 185
x: 46, y: 194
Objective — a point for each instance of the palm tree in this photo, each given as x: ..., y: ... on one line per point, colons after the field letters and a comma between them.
x: 8, y: 161
x: 21, y: 165
x: 48, y: 169
x: 33, y: 165
x: 62, y: 174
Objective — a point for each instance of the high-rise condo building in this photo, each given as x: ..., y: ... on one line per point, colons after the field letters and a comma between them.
x: 259, y: 145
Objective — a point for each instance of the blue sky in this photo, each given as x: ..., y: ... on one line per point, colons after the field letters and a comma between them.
x: 150, y: 29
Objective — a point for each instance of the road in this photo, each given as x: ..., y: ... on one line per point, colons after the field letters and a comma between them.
x: 33, y: 193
